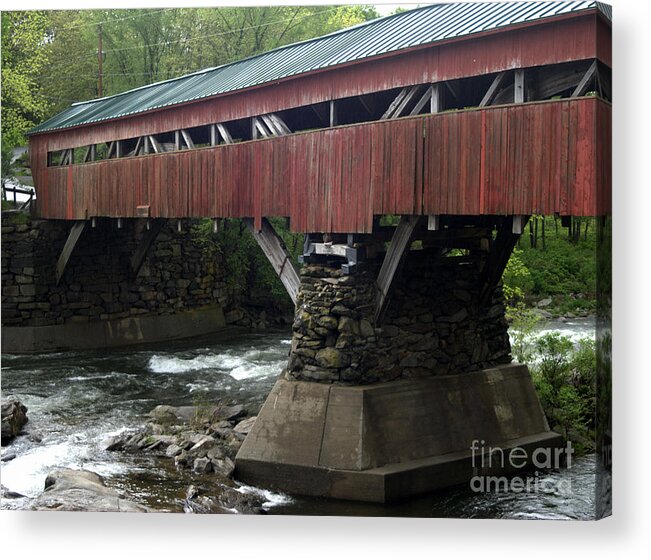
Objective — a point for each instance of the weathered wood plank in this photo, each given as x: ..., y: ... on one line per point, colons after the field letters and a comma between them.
x: 492, y: 90
x: 519, y: 92
x: 224, y: 133
x: 274, y: 249
x: 422, y: 101
x: 155, y: 145
x: 213, y: 135
x: 406, y: 100
x: 188, y: 140
x: 392, y: 260
x: 394, y: 104
x: 585, y: 81
x: 436, y: 99
x: 279, y: 124
x: 258, y: 126
x: 334, y: 121
x: 68, y: 248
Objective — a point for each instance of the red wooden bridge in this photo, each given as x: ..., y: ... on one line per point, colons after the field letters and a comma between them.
x: 474, y: 115
x: 475, y: 109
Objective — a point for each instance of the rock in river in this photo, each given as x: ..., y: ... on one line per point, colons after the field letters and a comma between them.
x: 77, y: 490
x: 14, y: 417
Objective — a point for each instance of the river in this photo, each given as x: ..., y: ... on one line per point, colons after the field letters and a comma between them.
x: 76, y: 400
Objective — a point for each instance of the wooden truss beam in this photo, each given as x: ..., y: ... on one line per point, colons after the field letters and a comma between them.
x: 187, y: 139
x: 549, y: 81
x: 399, y: 104
x: 91, y: 153
x: 214, y: 137
x: 155, y: 145
x: 392, y: 260
x: 224, y: 133
x: 148, y: 238
x: 499, y: 256
x: 68, y: 248
x: 275, y: 250
x: 334, y: 116
x: 427, y: 96
x: 585, y: 81
x: 492, y: 90
x: 519, y: 86
x: 436, y: 99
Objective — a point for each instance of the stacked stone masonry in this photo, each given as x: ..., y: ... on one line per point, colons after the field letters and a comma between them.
x: 432, y: 326
x: 178, y: 274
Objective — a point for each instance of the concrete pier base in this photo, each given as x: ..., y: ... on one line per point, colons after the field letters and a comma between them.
x: 387, y: 441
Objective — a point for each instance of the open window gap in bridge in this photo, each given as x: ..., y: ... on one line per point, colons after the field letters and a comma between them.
x: 564, y: 80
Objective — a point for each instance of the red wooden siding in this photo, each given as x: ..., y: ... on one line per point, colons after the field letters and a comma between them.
x: 543, y: 157
x: 575, y: 37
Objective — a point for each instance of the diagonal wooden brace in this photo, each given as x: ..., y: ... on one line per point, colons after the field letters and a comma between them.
x: 499, y: 255
x: 68, y: 248
x: 392, y: 260
x: 148, y: 237
x: 274, y: 249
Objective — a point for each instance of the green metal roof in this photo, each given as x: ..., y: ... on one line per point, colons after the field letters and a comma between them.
x: 383, y: 35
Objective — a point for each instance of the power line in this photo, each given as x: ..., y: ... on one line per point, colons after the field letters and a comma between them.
x: 187, y: 40
x: 113, y: 20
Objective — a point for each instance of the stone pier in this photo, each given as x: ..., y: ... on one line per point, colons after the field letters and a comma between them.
x: 378, y: 410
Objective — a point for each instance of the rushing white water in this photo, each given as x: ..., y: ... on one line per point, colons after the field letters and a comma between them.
x: 76, y: 400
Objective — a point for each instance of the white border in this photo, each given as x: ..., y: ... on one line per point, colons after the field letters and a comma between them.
x: 83, y: 535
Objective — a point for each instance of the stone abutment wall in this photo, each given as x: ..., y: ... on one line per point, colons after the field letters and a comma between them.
x: 180, y: 274
x: 432, y: 326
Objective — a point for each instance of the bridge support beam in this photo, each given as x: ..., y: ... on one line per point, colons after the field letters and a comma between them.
x: 74, y: 235
x: 146, y: 241
x: 380, y: 411
x: 274, y: 249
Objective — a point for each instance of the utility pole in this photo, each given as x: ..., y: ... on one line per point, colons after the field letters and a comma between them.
x: 100, y: 54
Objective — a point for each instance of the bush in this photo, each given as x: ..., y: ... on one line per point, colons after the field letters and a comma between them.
x: 522, y: 321
x: 564, y: 378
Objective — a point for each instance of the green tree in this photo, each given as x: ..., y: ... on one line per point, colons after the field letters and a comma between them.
x: 23, y: 57
x: 146, y: 46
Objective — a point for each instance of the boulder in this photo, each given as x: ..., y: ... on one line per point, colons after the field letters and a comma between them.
x: 165, y: 414
x: 366, y: 329
x: 78, y: 490
x: 114, y: 443
x: 332, y: 358
x: 203, y: 445
x: 202, y: 500
x: 14, y: 417
x: 202, y: 465
x: 224, y: 467
x: 9, y: 494
x: 229, y: 412
x: 245, y: 426
x: 173, y: 450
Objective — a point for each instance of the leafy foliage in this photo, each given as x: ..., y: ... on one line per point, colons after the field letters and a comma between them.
x: 249, y: 275
x: 523, y: 321
x: 564, y: 377
x: 60, y: 48
x: 23, y: 58
x: 566, y: 265
x: 561, y: 267
x: 516, y: 279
